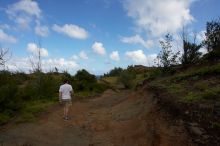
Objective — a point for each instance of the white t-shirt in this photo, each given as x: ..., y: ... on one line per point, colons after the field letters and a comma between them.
x: 66, y: 90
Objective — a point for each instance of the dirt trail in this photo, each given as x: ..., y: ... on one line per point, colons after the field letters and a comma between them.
x: 113, y: 119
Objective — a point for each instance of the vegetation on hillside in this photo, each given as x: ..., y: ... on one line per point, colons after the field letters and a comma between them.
x: 25, y: 95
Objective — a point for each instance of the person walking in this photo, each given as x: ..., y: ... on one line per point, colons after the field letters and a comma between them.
x: 65, y: 93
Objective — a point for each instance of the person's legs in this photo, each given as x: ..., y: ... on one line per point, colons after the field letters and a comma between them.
x: 64, y: 110
x: 67, y: 110
x: 67, y: 105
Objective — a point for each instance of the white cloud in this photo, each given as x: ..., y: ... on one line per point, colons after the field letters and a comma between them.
x: 23, y: 11
x: 23, y: 22
x: 137, y: 39
x: 98, y: 48
x: 203, y: 50
x: 138, y: 57
x: 159, y: 16
x: 71, y: 30
x: 115, y: 56
x: 75, y: 57
x: 201, y: 36
x: 4, y: 26
x: 6, y: 38
x: 83, y: 55
x: 41, y: 30
x: 23, y: 64
x: 28, y: 6
x: 34, y: 49
x: 60, y: 63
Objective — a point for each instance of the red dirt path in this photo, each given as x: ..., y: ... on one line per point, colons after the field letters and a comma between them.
x: 113, y: 119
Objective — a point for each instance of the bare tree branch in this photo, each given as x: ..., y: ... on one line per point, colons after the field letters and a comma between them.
x: 3, y: 53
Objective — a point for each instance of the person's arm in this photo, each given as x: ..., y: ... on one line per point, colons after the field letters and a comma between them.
x: 60, y: 97
x: 71, y: 91
x: 60, y: 94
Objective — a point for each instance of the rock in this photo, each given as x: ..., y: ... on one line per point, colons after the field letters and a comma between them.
x: 206, y: 136
x: 197, y: 130
x: 194, y: 124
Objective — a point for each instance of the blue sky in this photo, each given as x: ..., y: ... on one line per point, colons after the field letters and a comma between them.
x: 97, y: 35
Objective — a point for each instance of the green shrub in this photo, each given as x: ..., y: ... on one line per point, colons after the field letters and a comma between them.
x: 127, y: 79
x: 212, y: 56
x: 99, y: 87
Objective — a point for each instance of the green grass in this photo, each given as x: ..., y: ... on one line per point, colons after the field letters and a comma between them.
x: 111, y: 80
x: 191, y: 85
x: 139, y: 78
x: 4, y: 118
x: 83, y: 95
x: 196, y: 73
x: 191, y: 97
x: 207, y: 94
x: 31, y: 109
x: 201, y: 86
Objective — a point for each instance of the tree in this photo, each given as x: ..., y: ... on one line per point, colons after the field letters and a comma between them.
x: 35, y: 59
x: 166, y: 56
x: 191, y: 52
x: 213, y: 35
x: 115, y: 72
x: 3, y: 53
x: 212, y: 41
x: 84, y: 80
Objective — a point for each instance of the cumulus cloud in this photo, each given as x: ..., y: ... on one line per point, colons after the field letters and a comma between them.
x: 41, y: 30
x: 60, y: 63
x: 98, y: 48
x: 28, y: 6
x: 137, y: 39
x: 159, y: 16
x: 4, y: 37
x: 115, y: 56
x: 138, y: 57
x: 23, y: 11
x: 23, y: 64
x: 83, y: 55
x: 34, y: 49
x: 71, y: 30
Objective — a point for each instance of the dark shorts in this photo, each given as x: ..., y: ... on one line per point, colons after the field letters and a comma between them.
x: 66, y: 101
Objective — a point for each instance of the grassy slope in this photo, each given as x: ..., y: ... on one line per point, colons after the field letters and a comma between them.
x: 192, y: 94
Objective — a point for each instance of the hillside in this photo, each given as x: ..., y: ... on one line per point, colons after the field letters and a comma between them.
x: 190, y: 94
x: 193, y: 95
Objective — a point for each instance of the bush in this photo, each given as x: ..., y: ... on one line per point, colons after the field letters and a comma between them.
x: 212, y: 55
x: 114, y: 72
x: 4, y: 118
x: 100, y: 87
x: 126, y: 78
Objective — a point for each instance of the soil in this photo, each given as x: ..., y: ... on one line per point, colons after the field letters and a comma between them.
x: 124, y: 118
